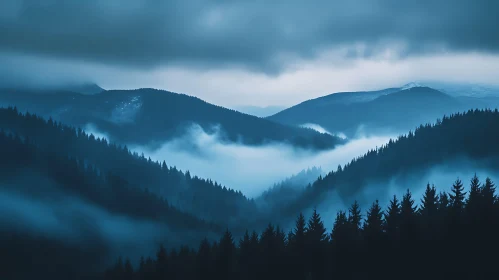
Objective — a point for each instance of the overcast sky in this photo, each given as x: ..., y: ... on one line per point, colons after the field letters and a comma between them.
x: 254, y: 52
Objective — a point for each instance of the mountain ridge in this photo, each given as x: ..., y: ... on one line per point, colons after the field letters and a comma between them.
x: 156, y: 116
x: 390, y: 109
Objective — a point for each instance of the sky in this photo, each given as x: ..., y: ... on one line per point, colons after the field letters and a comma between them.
x: 248, y: 52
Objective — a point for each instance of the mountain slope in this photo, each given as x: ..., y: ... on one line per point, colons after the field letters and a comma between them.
x: 463, y: 140
x: 149, y: 116
x: 203, y: 198
x: 391, y: 110
x: 64, y: 207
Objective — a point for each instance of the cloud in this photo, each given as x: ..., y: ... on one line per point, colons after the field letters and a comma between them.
x: 316, y: 127
x: 229, y: 87
x: 259, y: 35
x: 79, y: 223
x: 250, y: 169
x: 321, y: 129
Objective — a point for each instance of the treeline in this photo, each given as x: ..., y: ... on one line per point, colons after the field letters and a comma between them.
x: 202, y: 197
x: 447, y: 236
x: 471, y: 136
x: 287, y: 190
x: 22, y: 161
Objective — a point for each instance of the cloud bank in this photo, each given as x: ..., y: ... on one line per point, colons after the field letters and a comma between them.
x: 258, y: 35
x: 247, y: 168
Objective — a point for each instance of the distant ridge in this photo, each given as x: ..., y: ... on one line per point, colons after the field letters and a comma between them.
x: 150, y: 117
x: 392, y: 110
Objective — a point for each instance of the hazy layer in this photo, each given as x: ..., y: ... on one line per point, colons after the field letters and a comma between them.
x: 251, y: 169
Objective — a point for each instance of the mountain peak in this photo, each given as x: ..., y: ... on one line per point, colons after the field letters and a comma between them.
x: 411, y: 85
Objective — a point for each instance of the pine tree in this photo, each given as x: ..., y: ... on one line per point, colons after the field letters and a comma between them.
x: 142, y: 271
x: 474, y: 201
x: 269, y: 253
x: 128, y: 270
x: 407, y: 217
x: 244, y: 244
x: 316, y: 232
x: 118, y: 272
x: 373, y: 235
x: 392, y: 219
x: 317, y: 238
x: 443, y: 202
x: 354, y: 219
x: 297, y: 247
x: 429, y: 202
x: 407, y: 205
x: 340, y: 228
x: 204, y: 265
x: 341, y: 245
x: 373, y: 226
x: 226, y: 253
x: 457, y: 197
x: 162, y: 263
x: 254, y: 239
x: 298, y: 234
x: 488, y: 193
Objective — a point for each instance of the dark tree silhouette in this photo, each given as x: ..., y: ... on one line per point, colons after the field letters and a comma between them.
x: 386, y: 247
x: 201, y: 197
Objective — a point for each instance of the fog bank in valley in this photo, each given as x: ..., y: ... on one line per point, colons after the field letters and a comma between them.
x: 251, y: 169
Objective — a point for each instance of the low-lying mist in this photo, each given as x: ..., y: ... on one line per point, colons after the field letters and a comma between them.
x: 50, y: 213
x: 441, y: 176
x: 251, y: 169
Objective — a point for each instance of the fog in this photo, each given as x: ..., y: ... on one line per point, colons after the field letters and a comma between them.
x: 50, y: 213
x: 442, y: 176
x: 251, y: 169
x: 315, y: 127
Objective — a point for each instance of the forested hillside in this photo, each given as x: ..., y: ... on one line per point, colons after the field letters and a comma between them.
x: 463, y: 138
x: 447, y: 235
x: 67, y: 215
x: 287, y: 190
x: 202, y: 197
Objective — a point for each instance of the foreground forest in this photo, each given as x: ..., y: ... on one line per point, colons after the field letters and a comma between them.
x: 448, y: 235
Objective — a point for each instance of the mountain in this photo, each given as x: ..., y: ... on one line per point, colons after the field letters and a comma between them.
x: 202, y: 198
x: 261, y: 112
x: 460, y: 142
x: 149, y: 116
x: 74, y: 214
x: 394, y: 110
